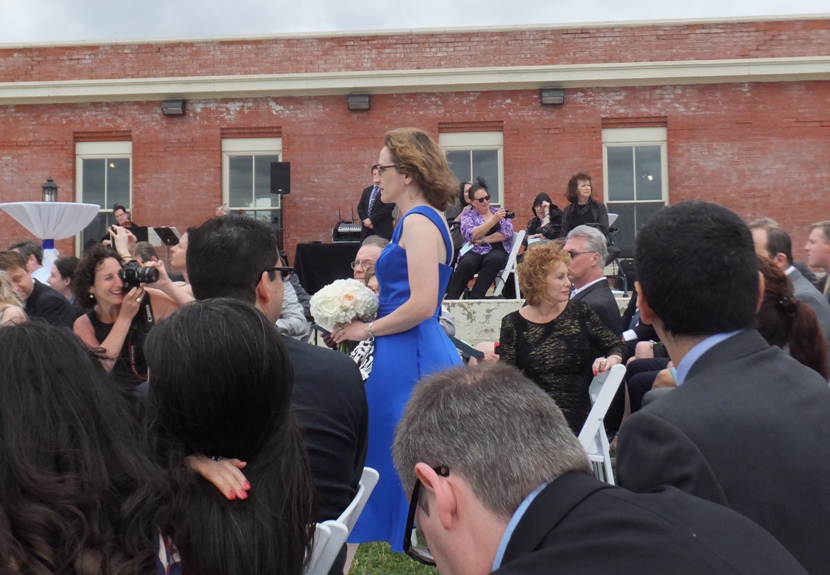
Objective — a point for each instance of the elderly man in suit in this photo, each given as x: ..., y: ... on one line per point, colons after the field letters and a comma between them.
x: 747, y: 425
x: 775, y: 243
x: 501, y: 484
x: 375, y: 216
x: 588, y: 251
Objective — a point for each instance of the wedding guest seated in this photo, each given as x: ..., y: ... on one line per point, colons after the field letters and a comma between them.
x: 499, y: 483
x: 40, y: 301
x: 554, y: 340
x: 11, y: 312
x: 491, y: 233
x: 221, y: 382
x: 79, y: 490
x: 546, y: 221
x: 32, y: 252
x: 60, y: 280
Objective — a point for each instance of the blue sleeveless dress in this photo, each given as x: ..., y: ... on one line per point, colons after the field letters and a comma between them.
x: 400, y: 360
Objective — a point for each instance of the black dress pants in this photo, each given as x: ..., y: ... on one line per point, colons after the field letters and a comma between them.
x: 487, y: 266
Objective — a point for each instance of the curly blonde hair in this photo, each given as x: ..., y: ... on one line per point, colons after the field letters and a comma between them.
x: 534, y: 269
x: 416, y: 153
x: 7, y: 295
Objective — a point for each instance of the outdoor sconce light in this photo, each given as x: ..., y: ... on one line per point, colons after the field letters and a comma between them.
x: 50, y: 191
x: 358, y: 102
x: 172, y: 107
x: 551, y: 97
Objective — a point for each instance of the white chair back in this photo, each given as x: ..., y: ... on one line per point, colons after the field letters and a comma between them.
x: 518, y: 239
x: 592, y: 436
x: 367, y: 484
x: 329, y: 538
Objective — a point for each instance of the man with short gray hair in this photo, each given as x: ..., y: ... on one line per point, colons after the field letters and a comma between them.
x: 588, y: 251
x: 501, y: 484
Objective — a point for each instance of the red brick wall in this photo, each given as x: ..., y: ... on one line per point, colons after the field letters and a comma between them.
x: 762, y: 149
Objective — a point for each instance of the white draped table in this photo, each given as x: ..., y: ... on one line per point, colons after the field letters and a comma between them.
x: 50, y: 221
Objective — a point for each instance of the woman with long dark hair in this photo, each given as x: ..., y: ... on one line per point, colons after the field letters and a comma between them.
x: 79, y: 491
x: 221, y: 381
x: 786, y: 322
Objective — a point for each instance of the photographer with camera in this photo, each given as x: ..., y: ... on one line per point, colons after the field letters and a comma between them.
x: 488, y: 232
x: 121, y: 309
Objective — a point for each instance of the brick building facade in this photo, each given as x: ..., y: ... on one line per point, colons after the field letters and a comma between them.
x: 736, y: 112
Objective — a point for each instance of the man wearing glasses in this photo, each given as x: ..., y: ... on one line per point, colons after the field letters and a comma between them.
x: 500, y: 484
x: 375, y: 216
x: 586, y: 246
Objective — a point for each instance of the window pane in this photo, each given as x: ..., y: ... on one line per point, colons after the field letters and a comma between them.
x: 93, y: 182
x: 486, y: 165
x: 632, y: 217
x: 241, y: 185
x: 118, y: 182
x: 620, y: 173
x: 460, y: 163
x: 649, y: 173
x: 262, y: 182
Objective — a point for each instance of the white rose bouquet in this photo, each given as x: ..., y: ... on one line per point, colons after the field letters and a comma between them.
x: 342, y: 301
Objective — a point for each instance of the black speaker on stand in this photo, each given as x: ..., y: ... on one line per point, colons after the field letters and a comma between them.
x: 281, y: 185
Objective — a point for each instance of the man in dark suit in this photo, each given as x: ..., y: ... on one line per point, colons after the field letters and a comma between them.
x: 375, y: 216
x: 501, y: 484
x: 588, y: 251
x: 774, y: 243
x: 747, y: 426
x: 235, y: 256
x: 39, y: 300
x: 818, y: 253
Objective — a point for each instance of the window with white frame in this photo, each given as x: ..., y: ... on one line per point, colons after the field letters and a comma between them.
x: 636, y: 179
x: 103, y: 176
x: 246, y: 177
x: 477, y: 154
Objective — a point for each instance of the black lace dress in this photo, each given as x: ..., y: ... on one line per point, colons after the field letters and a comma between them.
x: 558, y: 355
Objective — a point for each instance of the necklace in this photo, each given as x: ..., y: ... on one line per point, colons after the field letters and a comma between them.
x: 582, y: 210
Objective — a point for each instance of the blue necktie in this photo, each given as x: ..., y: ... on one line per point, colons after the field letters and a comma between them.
x: 373, y: 197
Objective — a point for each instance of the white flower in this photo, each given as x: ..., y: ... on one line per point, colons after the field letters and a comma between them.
x: 342, y: 301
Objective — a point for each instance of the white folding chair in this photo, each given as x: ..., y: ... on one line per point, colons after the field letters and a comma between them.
x: 329, y: 538
x: 330, y: 535
x: 518, y: 239
x: 593, y: 437
x: 367, y: 484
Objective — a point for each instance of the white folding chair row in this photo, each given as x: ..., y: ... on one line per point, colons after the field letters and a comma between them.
x: 592, y: 436
x: 330, y: 535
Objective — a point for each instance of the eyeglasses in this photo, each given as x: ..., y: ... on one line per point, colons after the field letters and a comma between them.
x: 482, y: 200
x: 363, y: 264
x: 414, y: 542
x: 380, y: 168
x: 285, y: 272
x: 574, y: 254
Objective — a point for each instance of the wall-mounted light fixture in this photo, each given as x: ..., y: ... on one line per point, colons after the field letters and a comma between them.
x: 173, y: 107
x: 358, y: 102
x: 552, y: 97
x: 49, y: 191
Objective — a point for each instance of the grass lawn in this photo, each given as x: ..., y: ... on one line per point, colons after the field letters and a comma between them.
x: 378, y: 559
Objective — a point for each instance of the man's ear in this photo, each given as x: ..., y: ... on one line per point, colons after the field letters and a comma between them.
x: 439, y: 492
x: 646, y: 313
x: 263, y: 295
x: 781, y: 261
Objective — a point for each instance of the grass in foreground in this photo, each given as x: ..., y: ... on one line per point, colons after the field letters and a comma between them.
x: 379, y: 559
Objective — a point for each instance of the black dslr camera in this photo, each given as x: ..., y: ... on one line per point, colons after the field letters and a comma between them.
x: 133, y: 275
x: 508, y: 214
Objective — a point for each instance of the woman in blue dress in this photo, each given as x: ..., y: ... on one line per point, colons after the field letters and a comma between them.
x: 413, y: 273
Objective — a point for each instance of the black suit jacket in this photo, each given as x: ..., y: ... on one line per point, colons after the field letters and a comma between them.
x: 601, y: 299
x: 579, y: 525
x: 748, y: 429
x: 50, y: 306
x: 381, y: 216
x: 330, y: 402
